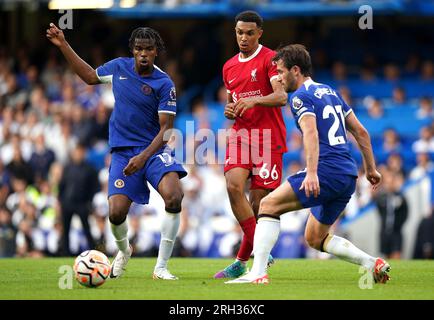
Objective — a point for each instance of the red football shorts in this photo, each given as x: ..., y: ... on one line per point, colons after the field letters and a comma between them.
x: 265, y: 169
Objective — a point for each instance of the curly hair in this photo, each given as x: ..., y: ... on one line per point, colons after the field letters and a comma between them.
x: 146, y: 33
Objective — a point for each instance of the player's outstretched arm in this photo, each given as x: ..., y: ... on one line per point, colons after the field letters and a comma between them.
x: 364, y: 142
x: 163, y: 136
x: 310, y: 183
x: 278, y: 98
x: 80, y: 67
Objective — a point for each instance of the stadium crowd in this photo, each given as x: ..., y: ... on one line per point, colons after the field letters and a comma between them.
x: 55, y: 158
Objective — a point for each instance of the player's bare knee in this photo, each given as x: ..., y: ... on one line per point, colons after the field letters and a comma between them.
x: 117, y: 215
x: 267, y: 205
x: 173, y: 200
x: 313, y: 241
x: 234, y: 189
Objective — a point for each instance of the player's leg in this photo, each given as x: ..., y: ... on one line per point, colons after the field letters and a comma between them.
x: 171, y: 191
x: 119, y: 206
x: 322, y: 217
x: 122, y: 191
x: 278, y: 202
x: 318, y: 237
x: 164, y: 172
x: 236, y: 179
x: 255, y: 197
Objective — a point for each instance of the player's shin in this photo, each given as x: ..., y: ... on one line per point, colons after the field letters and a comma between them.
x: 266, y: 235
x: 169, y: 230
x: 345, y: 250
x: 120, y: 233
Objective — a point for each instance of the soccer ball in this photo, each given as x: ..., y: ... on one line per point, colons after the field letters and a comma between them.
x: 91, y: 268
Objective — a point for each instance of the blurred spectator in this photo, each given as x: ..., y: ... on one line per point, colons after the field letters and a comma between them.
x: 81, y: 126
x: 395, y: 164
x: 391, y: 142
x: 424, y: 246
x: 339, y: 71
x: 425, y: 110
x: 4, y: 184
x: 99, y: 124
x: 32, y: 126
x: 200, y: 113
x: 367, y: 74
x: 412, y: 65
x: 424, y: 166
x: 8, y: 125
x: 28, y: 234
x: 88, y: 96
x: 295, y: 141
x: 15, y: 142
x: 391, y: 72
x: 345, y: 92
x: 7, y: 234
x: 427, y: 70
x: 15, y: 96
x: 101, y: 208
x: 424, y: 186
x: 59, y: 138
x: 393, y: 210
x: 361, y: 197
x: 399, y: 98
x: 425, y: 143
x: 375, y: 109
x: 42, y: 158
x: 20, y: 168
x: 76, y: 191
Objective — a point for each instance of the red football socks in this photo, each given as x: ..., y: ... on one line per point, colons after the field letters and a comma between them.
x: 246, y: 248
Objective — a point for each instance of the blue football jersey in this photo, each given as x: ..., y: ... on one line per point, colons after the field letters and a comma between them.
x: 138, y: 101
x: 330, y: 110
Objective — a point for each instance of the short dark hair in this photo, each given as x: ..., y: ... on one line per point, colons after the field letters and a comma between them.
x: 146, y: 33
x: 295, y: 55
x: 250, y: 16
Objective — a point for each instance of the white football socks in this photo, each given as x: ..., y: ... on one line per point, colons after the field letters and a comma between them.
x: 169, y: 230
x: 120, y: 233
x: 266, y: 234
x: 345, y: 250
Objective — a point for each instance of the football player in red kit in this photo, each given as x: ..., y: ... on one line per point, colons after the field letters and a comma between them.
x: 258, y: 137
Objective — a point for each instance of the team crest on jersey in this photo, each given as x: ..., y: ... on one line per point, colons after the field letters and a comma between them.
x: 172, y: 93
x: 297, y: 103
x: 253, y: 75
x: 119, y: 183
x: 147, y: 90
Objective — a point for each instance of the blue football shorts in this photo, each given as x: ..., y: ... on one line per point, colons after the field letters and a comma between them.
x: 135, y: 186
x: 335, y: 192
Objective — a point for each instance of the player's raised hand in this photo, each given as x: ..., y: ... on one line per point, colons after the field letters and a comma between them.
x: 310, y: 185
x: 229, y: 111
x: 55, y: 35
x: 242, y: 105
x: 374, y: 178
x: 135, y: 164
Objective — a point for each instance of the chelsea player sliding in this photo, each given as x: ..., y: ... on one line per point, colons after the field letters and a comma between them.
x: 145, y: 107
x: 329, y: 180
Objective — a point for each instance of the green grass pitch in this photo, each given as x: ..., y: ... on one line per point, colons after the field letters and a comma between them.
x: 290, y: 279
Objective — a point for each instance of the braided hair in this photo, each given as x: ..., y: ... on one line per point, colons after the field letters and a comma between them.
x: 146, y: 33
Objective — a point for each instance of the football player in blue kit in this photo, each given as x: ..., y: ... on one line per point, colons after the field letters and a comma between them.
x: 329, y: 179
x: 139, y: 127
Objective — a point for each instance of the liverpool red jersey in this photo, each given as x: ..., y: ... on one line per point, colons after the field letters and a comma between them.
x: 251, y: 77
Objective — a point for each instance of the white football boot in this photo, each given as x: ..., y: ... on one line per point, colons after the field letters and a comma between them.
x: 119, y: 264
x: 249, y: 278
x: 163, y: 274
